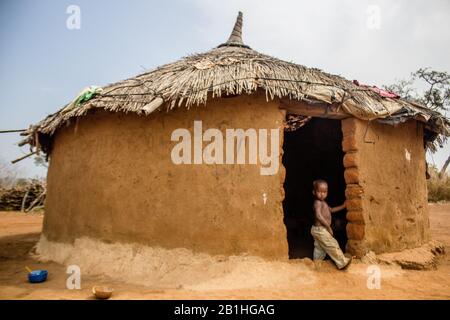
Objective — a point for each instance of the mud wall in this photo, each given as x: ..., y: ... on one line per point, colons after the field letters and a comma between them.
x: 386, y: 186
x: 111, y: 178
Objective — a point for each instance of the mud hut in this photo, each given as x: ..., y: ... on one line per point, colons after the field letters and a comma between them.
x: 155, y: 159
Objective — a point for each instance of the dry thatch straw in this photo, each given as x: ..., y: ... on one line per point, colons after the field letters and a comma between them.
x: 233, y: 69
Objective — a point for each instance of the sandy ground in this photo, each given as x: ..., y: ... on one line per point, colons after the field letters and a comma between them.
x: 294, y: 279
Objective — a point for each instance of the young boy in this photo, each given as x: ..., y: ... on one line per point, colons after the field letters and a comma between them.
x: 324, y: 243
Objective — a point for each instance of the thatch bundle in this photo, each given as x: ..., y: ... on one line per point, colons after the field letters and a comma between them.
x: 24, y: 196
x: 233, y: 69
x: 294, y: 122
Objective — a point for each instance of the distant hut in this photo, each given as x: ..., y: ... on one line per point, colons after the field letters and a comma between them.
x: 120, y: 171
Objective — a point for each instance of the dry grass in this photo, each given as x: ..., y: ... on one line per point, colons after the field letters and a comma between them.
x: 438, y: 189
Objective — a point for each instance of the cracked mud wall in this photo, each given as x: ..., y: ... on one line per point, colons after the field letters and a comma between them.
x: 111, y: 178
x: 386, y: 186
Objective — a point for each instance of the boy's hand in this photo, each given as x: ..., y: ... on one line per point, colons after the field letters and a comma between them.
x: 338, y: 208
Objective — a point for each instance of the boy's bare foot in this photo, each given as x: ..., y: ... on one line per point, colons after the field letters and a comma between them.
x: 348, y: 263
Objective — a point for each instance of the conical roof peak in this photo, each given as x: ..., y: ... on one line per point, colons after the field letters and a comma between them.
x: 235, y: 39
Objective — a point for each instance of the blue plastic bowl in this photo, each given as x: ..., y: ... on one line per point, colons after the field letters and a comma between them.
x: 36, y: 276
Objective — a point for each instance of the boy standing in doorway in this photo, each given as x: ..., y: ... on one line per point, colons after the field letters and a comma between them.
x: 324, y: 242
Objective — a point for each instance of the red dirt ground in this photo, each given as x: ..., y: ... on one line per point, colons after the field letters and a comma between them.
x: 19, y: 232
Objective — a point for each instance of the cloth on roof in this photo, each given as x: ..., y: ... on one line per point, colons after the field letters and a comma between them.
x: 381, y: 92
x: 85, y: 95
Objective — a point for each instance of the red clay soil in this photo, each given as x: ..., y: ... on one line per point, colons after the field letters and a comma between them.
x: 19, y: 232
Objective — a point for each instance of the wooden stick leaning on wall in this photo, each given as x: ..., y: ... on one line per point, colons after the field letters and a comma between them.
x: 24, y: 200
x: 36, y: 201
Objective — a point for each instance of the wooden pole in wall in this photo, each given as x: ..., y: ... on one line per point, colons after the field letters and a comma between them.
x: 9, y: 131
x: 24, y: 157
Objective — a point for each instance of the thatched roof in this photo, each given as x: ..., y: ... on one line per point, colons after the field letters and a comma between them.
x: 233, y: 68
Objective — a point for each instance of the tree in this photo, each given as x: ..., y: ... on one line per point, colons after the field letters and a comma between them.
x: 39, y: 160
x: 8, y: 174
x: 436, y: 96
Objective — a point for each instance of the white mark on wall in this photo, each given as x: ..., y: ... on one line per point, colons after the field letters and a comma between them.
x: 407, y: 155
x: 264, y: 197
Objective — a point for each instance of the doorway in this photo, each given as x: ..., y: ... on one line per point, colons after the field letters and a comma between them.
x: 313, y: 151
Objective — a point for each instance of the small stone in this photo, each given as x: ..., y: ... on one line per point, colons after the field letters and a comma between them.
x: 351, y: 175
x: 355, y: 231
x: 349, y: 144
x: 348, y: 127
x: 422, y: 258
x: 353, y: 204
x: 351, y: 159
x: 353, y: 191
x: 355, y: 216
x: 369, y: 258
x: 307, y: 262
x: 356, y: 247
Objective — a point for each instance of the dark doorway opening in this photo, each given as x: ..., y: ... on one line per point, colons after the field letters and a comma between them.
x: 313, y: 151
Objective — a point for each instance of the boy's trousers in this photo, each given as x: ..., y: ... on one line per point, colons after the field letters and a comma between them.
x: 324, y: 244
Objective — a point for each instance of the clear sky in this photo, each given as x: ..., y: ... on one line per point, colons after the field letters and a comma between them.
x: 44, y: 65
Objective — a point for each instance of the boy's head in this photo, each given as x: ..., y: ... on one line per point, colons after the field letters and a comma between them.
x: 320, y: 189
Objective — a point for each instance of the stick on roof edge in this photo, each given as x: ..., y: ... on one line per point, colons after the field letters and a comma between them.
x: 235, y: 39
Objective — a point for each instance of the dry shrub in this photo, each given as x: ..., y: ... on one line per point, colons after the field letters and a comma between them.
x: 8, y: 174
x: 438, y: 188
